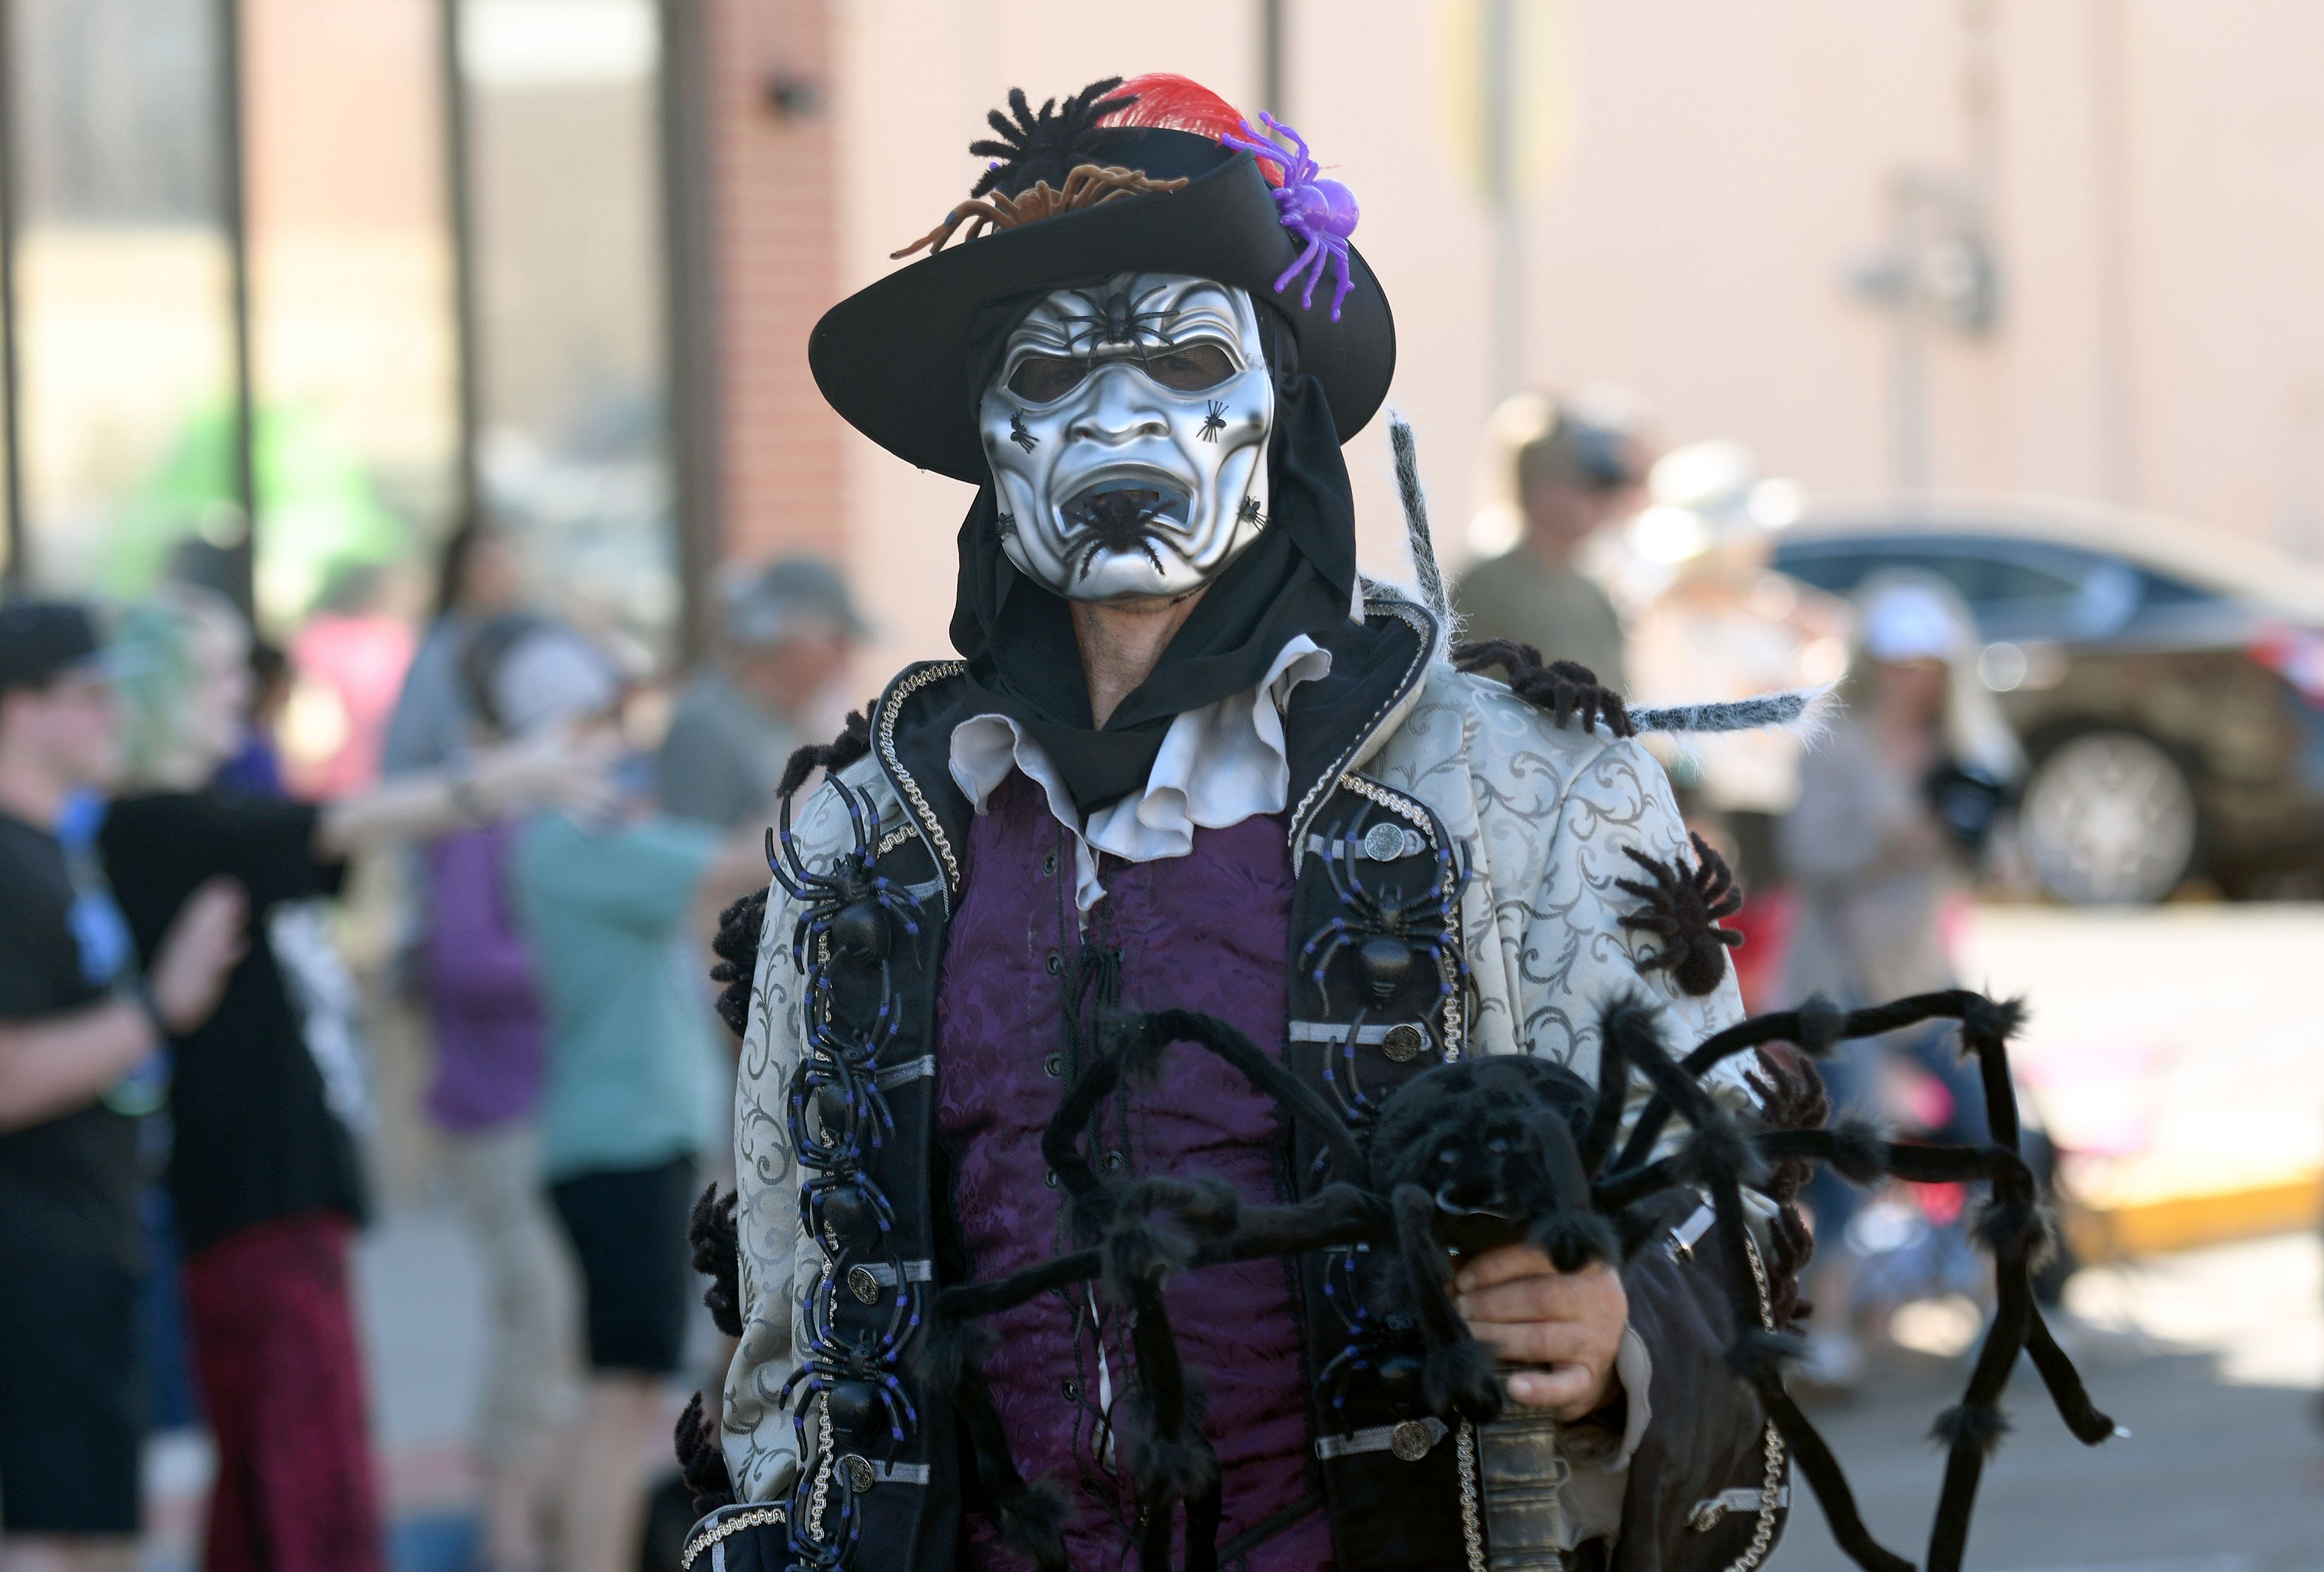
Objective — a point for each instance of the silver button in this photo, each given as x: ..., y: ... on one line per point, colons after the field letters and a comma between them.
x: 859, y: 1472
x: 1403, y: 1043
x: 864, y: 1284
x: 1410, y: 1441
x: 1384, y: 842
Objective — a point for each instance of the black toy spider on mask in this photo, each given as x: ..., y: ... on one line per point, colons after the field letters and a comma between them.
x: 1476, y: 1154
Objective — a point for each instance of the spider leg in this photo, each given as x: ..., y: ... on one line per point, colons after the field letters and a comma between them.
x: 858, y: 809
x: 1814, y: 1026
x: 1339, y: 939
x: 1304, y: 170
x: 901, y: 902
x: 1606, y: 1108
x: 789, y: 871
x: 899, y: 1405
x: 1757, y: 1353
x: 1338, y: 1214
x: 1457, y: 1372
x: 1333, y: 855
x: 1017, y: 1509
x: 1315, y: 274
x: 1565, y: 1229
x: 1314, y: 248
x: 969, y: 1301
x: 1343, y: 284
x: 2013, y: 1229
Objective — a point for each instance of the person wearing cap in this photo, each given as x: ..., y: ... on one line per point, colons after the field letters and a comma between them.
x: 786, y: 636
x: 1576, y: 480
x: 1891, y: 804
x: 609, y: 902
x: 81, y: 1031
x: 1185, y: 751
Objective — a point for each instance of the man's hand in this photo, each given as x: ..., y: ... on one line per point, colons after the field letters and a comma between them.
x: 1530, y: 1313
x: 204, y: 942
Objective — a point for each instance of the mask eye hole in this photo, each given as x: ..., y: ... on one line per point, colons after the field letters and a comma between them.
x: 1191, y: 369
x: 1038, y: 378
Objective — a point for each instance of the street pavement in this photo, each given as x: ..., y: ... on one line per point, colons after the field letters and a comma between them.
x: 2211, y: 1358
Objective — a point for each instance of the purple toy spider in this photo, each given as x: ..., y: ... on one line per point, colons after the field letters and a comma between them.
x: 1321, y: 212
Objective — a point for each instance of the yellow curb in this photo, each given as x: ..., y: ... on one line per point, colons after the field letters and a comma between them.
x: 2181, y: 1222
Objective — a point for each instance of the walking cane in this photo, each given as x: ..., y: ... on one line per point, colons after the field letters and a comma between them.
x: 1523, y: 1479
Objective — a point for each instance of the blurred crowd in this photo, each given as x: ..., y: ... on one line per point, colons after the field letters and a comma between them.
x: 1858, y: 833
x: 194, y: 828
x: 192, y: 822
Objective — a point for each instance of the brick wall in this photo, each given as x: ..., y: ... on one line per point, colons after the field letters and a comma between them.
x: 773, y: 197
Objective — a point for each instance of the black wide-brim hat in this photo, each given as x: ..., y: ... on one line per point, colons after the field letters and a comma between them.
x: 895, y: 358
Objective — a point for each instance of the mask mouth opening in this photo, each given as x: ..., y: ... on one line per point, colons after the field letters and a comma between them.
x: 1124, y: 513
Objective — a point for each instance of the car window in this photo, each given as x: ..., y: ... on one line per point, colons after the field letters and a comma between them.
x: 1998, y: 572
x: 2160, y: 589
x: 1839, y: 570
x: 1983, y: 572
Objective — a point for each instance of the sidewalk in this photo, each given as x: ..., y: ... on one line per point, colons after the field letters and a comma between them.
x: 2174, y: 1052
x: 422, y: 1310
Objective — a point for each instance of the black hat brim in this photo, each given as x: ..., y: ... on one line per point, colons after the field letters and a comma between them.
x: 894, y: 358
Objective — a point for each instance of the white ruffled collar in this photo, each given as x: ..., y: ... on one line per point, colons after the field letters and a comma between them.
x: 1218, y: 766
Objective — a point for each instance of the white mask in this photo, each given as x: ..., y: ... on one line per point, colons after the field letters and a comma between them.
x: 1127, y: 430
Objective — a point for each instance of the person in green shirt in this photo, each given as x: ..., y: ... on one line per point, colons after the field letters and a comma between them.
x: 787, y: 635
x: 616, y: 910
x: 1576, y: 478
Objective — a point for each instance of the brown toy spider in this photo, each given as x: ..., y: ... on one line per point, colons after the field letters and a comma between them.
x: 1088, y: 185
x: 1568, y: 689
x: 1684, y: 906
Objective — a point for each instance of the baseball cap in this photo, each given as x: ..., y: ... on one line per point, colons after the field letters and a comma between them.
x: 551, y: 675
x: 762, y: 608
x: 44, y: 640
x: 1908, y: 620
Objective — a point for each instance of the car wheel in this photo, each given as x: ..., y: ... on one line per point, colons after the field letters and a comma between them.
x: 2109, y: 819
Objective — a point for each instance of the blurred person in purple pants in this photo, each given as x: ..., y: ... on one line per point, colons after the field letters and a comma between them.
x: 484, y: 1100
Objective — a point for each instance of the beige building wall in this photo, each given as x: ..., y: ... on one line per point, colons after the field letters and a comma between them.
x: 2147, y: 171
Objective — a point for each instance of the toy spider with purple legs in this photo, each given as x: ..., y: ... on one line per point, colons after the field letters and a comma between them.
x: 851, y: 904
x: 853, y: 1374
x: 1321, y: 212
x: 1480, y: 1153
x: 1386, y: 928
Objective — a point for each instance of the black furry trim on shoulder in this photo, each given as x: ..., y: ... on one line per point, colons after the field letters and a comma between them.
x: 736, y: 946
x: 716, y: 1254
x: 853, y: 743
x: 1567, y: 689
x: 701, y: 1462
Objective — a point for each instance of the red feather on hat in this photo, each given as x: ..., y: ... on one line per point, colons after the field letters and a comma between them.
x: 1169, y: 102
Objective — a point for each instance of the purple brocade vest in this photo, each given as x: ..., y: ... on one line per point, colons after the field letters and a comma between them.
x: 1023, y: 981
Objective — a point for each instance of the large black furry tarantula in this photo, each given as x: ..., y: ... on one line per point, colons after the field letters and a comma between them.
x: 1482, y: 1152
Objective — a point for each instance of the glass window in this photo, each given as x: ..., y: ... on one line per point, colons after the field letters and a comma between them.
x: 564, y: 193
x: 353, y: 326
x: 126, y: 409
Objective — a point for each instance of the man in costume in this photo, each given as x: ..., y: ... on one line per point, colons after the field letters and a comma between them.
x: 1188, y: 759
